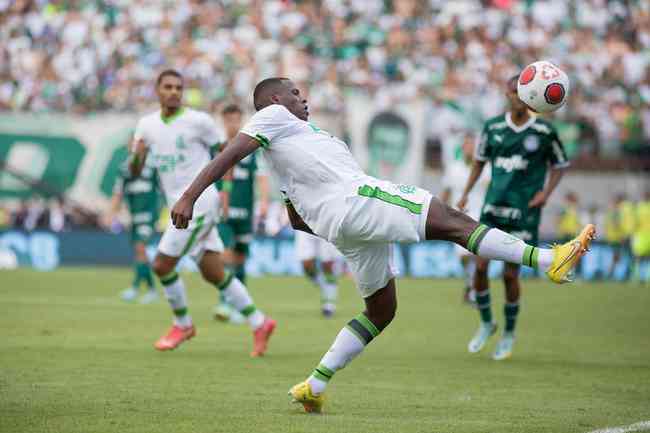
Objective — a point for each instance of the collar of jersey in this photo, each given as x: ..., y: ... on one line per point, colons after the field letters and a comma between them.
x: 523, y: 127
x: 170, y: 119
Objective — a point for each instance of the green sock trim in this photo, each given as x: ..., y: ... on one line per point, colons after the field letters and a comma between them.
x: 180, y: 312
x: 476, y: 237
x: 323, y: 373
x: 226, y: 281
x: 247, y: 311
x: 168, y: 279
x: 368, y: 324
x: 330, y: 278
x: 363, y: 328
x: 530, y: 255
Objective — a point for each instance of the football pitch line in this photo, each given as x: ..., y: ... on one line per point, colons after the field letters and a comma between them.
x: 639, y: 426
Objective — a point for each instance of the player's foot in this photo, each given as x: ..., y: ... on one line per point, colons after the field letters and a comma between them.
x: 174, y: 337
x: 504, y: 348
x: 301, y: 393
x: 129, y: 295
x: 261, y: 337
x: 149, y: 298
x: 566, y: 256
x: 328, y: 310
x: 485, y: 331
x: 221, y: 312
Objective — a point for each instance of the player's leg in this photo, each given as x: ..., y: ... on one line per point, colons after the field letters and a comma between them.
x: 329, y: 291
x: 223, y: 311
x: 212, y: 269
x: 144, y: 271
x: 487, y: 326
x: 372, y: 267
x: 164, y: 266
x: 131, y: 293
x: 510, y: 311
x: 446, y: 223
x: 307, y: 248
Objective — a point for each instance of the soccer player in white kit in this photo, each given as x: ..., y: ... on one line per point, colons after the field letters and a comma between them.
x: 454, y: 177
x: 329, y: 195
x: 177, y: 141
x: 318, y: 258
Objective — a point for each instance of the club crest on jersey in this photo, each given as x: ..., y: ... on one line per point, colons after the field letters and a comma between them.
x: 531, y: 143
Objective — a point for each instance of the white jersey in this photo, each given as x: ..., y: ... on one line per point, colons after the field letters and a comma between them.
x: 179, y: 148
x: 316, y: 170
x: 455, y: 178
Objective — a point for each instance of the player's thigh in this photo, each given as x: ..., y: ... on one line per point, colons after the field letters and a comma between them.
x: 371, y: 265
x: 305, y: 245
x: 386, y: 212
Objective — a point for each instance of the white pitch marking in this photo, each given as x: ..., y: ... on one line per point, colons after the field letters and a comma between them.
x: 639, y: 426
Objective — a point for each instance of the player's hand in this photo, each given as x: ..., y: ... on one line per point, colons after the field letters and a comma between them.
x: 182, y: 212
x: 462, y: 203
x: 224, y: 198
x: 538, y: 200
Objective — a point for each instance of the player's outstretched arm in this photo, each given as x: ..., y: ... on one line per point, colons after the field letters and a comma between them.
x: 240, y: 147
x: 477, y: 169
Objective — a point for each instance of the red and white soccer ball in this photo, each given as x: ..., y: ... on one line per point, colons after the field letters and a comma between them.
x: 543, y: 86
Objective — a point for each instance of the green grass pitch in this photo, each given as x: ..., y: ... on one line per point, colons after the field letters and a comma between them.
x: 74, y: 358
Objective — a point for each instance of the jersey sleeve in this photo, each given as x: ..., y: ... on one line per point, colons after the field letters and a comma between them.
x: 268, y: 124
x: 557, y: 155
x: 211, y: 134
x: 482, y: 148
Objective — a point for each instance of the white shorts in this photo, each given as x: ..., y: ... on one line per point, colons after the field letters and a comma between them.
x: 381, y: 214
x: 310, y: 247
x: 200, y: 236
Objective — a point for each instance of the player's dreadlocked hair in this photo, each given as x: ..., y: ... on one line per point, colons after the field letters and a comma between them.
x: 263, y: 89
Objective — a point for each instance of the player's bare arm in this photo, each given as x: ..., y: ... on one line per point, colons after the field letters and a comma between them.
x: 296, y: 221
x: 477, y: 169
x: 542, y: 196
x: 240, y: 147
x: 138, y: 157
x: 264, y: 193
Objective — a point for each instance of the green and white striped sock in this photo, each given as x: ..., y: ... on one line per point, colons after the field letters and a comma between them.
x: 177, y: 298
x: 348, y: 344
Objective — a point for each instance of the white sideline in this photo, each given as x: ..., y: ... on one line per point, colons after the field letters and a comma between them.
x: 639, y: 426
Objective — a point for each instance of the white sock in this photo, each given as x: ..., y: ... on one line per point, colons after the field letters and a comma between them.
x: 177, y: 298
x: 494, y: 244
x: 328, y: 293
x: 241, y: 300
x: 347, y: 346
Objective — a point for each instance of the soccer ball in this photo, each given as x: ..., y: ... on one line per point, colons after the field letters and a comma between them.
x: 543, y: 86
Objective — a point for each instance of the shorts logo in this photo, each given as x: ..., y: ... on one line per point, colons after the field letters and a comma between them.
x: 406, y: 189
x: 531, y: 143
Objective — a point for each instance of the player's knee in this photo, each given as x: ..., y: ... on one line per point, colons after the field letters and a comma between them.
x: 510, y: 276
x: 309, y: 266
x: 482, y: 267
x: 160, y: 268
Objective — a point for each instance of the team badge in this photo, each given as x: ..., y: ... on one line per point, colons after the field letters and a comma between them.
x: 531, y: 143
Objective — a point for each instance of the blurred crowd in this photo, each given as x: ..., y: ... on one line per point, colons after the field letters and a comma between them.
x: 87, y: 55
x: 40, y: 214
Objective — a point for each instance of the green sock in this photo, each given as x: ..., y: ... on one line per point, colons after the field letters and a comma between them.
x: 147, y: 275
x: 483, y: 304
x: 510, y: 310
x: 240, y: 273
x: 137, y: 275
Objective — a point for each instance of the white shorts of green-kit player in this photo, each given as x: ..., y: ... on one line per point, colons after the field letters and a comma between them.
x: 200, y: 236
x: 380, y: 214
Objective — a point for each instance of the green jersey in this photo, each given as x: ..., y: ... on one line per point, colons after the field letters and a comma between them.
x: 520, y: 157
x: 141, y: 196
x: 242, y: 195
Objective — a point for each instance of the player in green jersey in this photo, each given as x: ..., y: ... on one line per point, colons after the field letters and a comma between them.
x: 236, y: 229
x: 520, y: 148
x: 141, y: 197
x: 641, y: 239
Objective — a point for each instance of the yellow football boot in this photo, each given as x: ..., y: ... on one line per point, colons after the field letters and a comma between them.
x: 302, y: 394
x: 566, y: 256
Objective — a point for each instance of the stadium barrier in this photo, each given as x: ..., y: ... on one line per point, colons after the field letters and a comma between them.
x: 46, y: 250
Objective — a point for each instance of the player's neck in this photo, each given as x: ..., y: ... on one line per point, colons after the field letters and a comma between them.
x: 519, y: 117
x: 170, y: 112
